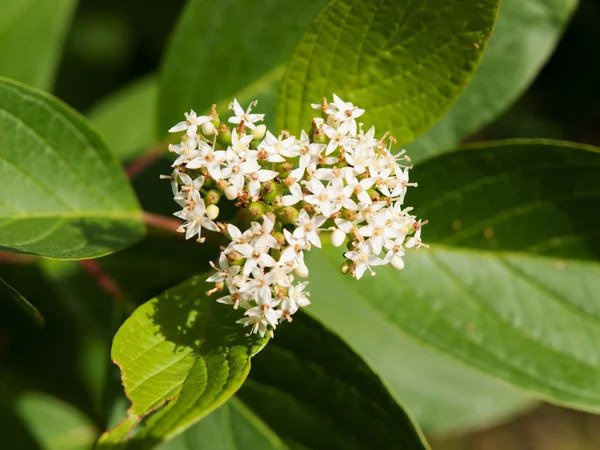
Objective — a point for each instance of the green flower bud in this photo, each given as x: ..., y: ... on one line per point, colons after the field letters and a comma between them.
x: 288, y: 214
x: 349, y: 214
x: 270, y: 191
x: 256, y: 210
x: 284, y: 169
x: 235, y: 259
x: 224, y: 137
x: 212, y: 197
x: 351, y: 246
x: 279, y: 237
x: 345, y: 267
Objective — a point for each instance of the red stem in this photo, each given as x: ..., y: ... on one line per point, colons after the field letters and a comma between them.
x: 138, y: 165
x: 107, y: 283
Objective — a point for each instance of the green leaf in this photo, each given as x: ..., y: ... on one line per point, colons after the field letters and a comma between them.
x: 9, y: 294
x: 32, y: 33
x: 444, y: 396
x: 231, y: 427
x: 127, y: 118
x: 404, y: 62
x: 56, y: 425
x: 524, y: 38
x: 181, y: 356
x: 314, y: 390
x: 510, y: 283
x: 63, y: 195
x: 230, y: 48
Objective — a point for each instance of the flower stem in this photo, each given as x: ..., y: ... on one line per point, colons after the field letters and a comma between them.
x: 141, y: 163
x: 161, y: 222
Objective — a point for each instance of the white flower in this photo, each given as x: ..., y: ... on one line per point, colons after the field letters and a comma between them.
x: 255, y: 257
x: 281, y: 145
x: 378, y: 230
x: 190, y: 124
x: 294, y: 197
x: 256, y: 178
x: 224, y: 271
x: 309, y: 153
x: 363, y: 259
x: 240, y: 115
x: 195, y: 219
x: 336, y: 139
x: 415, y: 241
x: 187, y: 151
x: 260, y: 324
x: 240, y: 144
x: 346, y: 115
x: 308, y: 229
x: 321, y: 197
x: 295, y: 299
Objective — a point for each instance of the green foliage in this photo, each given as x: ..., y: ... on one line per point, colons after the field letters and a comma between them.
x: 54, y: 424
x: 204, y: 358
x: 63, y: 194
x: 232, y: 426
x: 517, y: 247
x: 31, y: 38
x: 248, y: 66
x: 127, y: 118
x: 523, y: 39
x: 315, y: 391
x: 405, y: 62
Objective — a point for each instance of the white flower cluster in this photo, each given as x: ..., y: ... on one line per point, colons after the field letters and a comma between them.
x: 336, y: 178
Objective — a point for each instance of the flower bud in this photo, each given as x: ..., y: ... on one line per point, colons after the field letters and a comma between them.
x: 301, y: 271
x: 284, y: 169
x: 288, y: 214
x: 231, y: 192
x: 212, y: 212
x: 349, y: 214
x: 279, y: 237
x: 212, y: 197
x: 259, y: 132
x: 338, y: 237
x: 208, y: 129
x: 256, y: 210
x: 270, y: 191
x: 397, y: 263
x: 224, y: 136
x: 345, y: 268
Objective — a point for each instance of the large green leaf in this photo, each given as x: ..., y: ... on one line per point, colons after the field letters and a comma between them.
x: 231, y: 427
x: 63, y: 195
x: 405, y: 62
x: 524, y: 37
x: 510, y: 285
x: 181, y: 356
x: 230, y: 48
x: 56, y: 425
x: 315, y: 391
x: 32, y: 33
x: 127, y: 118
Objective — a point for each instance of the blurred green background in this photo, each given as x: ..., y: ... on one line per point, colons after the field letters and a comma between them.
x: 113, y: 42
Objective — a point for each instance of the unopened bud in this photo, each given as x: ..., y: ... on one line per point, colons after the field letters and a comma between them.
x: 231, y: 192
x: 270, y: 191
x: 397, y: 263
x: 349, y: 214
x: 212, y: 197
x: 301, y: 271
x: 259, y: 132
x: 345, y: 268
x: 288, y: 214
x: 284, y: 169
x: 212, y: 212
x: 279, y: 237
x: 338, y: 237
x: 224, y: 137
x: 208, y: 129
x: 256, y: 210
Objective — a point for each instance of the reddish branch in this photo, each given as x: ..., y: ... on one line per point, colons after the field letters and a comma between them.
x: 107, y: 283
x: 140, y: 164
